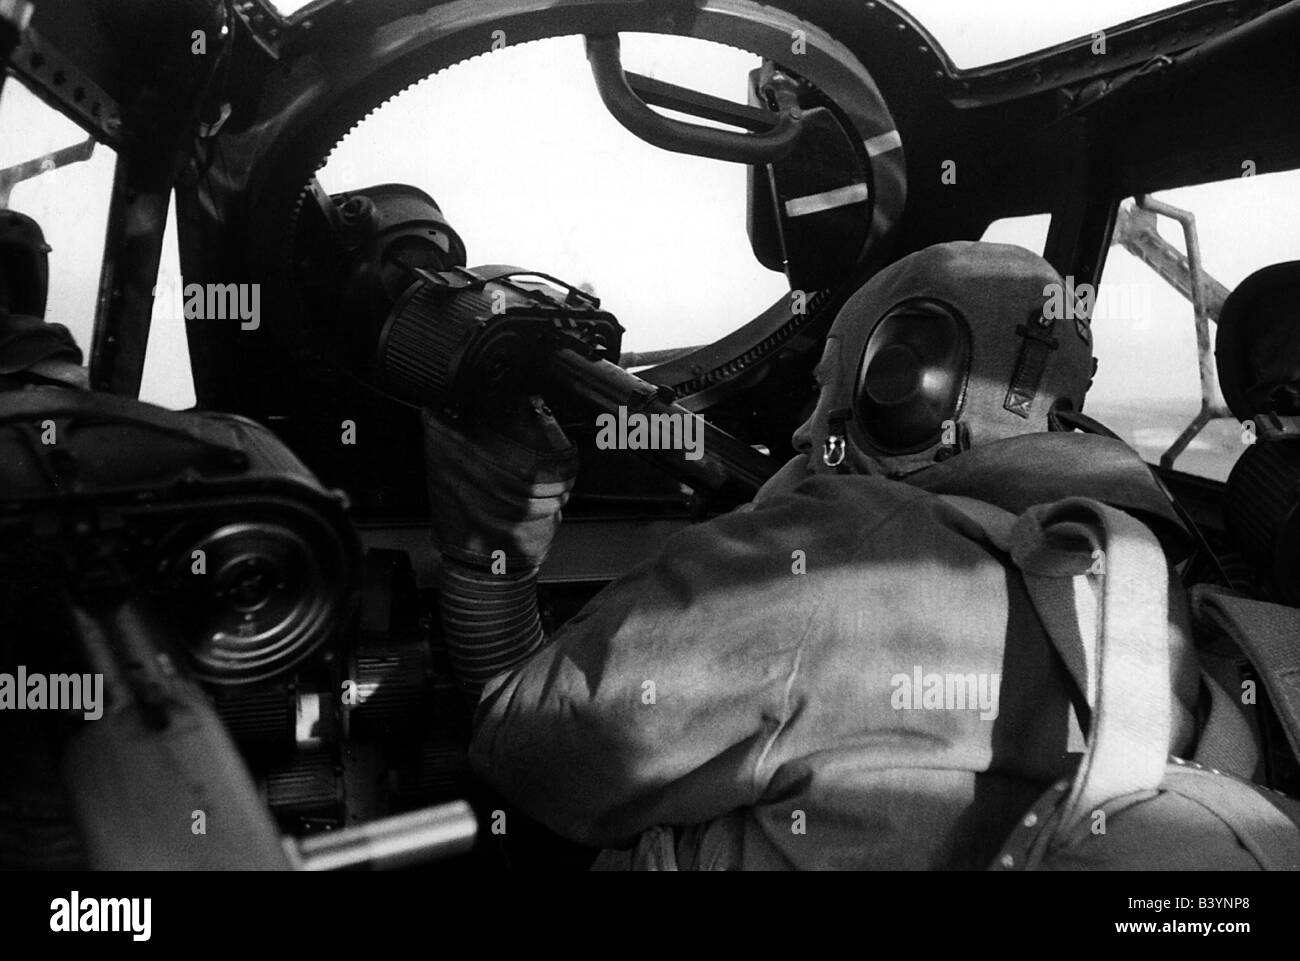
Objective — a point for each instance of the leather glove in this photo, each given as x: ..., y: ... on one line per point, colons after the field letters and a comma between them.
x: 500, y: 486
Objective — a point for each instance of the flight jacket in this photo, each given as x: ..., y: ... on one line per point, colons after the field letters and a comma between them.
x: 840, y: 675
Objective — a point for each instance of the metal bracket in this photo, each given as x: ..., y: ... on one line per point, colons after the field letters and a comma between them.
x: 10, y: 177
x: 58, y: 82
x: 15, y: 16
x: 264, y: 23
x: 1186, y: 275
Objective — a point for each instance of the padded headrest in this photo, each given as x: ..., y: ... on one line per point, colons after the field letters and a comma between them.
x: 1257, y: 347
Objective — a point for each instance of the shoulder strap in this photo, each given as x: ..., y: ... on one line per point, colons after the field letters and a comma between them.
x: 1055, y: 611
x: 1117, y: 649
x: 1127, y: 677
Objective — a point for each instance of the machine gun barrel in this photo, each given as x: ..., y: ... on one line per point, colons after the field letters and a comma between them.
x: 725, y: 462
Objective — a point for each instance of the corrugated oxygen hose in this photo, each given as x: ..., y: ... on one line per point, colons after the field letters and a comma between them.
x: 490, y: 622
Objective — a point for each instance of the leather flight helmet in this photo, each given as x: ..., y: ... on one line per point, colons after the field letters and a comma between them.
x: 955, y: 345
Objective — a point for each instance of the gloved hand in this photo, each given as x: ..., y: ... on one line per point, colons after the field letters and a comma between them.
x: 501, y: 486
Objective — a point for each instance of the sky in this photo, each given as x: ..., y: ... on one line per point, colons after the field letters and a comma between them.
x: 977, y: 32
x: 531, y: 170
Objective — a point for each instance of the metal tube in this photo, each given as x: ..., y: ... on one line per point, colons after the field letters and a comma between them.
x: 1212, y: 404
x: 649, y: 358
x: 394, y: 842
x: 602, y: 387
x: 633, y: 113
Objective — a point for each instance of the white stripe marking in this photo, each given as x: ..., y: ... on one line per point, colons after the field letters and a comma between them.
x: 883, y: 144
x: 827, y: 200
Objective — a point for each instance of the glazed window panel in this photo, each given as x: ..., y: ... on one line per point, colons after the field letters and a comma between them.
x: 1148, y: 386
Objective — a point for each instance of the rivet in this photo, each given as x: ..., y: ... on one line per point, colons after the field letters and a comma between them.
x: 1062, y: 785
x: 1008, y: 861
x: 1030, y: 819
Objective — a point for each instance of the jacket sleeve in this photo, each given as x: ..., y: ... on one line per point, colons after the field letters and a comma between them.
x: 656, y: 704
